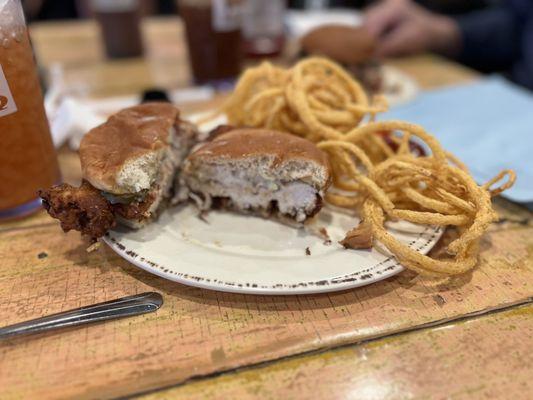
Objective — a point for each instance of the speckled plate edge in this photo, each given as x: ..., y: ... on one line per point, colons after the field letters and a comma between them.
x: 377, y: 272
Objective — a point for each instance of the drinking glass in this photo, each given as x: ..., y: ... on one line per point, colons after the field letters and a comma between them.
x: 120, y: 24
x: 28, y: 159
x: 213, y: 32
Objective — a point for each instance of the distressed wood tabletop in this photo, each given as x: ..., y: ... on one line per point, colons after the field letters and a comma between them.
x: 459, y: 360
x: 395, y: 331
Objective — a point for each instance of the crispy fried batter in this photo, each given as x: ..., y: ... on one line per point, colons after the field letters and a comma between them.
x: 83, y: 209
x: 359, y: 237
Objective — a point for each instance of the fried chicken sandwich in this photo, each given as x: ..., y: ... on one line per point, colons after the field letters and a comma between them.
x: 258, y: 171
x: 129, y: 165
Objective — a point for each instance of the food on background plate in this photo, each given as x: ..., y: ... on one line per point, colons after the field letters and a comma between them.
x: 258, y: 171
x: 378, y: 167
x: 351, y: 46
x: 128, y: 165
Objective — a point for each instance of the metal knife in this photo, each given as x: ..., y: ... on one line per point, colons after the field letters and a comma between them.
x: 119, y: 308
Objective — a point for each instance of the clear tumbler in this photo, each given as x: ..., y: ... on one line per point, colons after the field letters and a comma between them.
x: 28, y: 159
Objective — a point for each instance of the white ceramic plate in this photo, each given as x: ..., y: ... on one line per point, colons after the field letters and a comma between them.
x: 245, y: 254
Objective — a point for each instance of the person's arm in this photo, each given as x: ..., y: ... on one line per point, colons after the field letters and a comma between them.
x: 403, y: 27
x: 490, y: 38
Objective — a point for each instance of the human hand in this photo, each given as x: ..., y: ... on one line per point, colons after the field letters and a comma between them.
x: 403, y: 27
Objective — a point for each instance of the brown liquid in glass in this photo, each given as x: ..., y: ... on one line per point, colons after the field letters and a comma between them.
x: 215, y: 55
x: 121, y: 32
x: 27, y: 156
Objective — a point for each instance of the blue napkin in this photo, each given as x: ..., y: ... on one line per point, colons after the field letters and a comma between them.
x: 487, y: 124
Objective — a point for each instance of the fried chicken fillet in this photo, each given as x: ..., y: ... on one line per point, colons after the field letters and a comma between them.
x: 81, y: 208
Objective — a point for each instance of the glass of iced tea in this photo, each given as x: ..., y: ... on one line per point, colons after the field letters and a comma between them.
x: 120, y: 23
x: 28, y: 159
x: 213, y: 32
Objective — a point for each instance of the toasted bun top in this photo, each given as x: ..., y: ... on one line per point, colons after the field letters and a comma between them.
x: 248, y: 142
x: 130, y: 134
x: 342, y: 43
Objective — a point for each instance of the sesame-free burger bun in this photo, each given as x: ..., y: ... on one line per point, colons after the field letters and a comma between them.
x: 121, y: 155
x: 278, y: 147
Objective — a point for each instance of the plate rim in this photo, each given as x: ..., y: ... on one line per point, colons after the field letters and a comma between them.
x: 340, y: 283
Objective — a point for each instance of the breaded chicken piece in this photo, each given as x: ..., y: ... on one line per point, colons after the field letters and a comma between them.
x: 83, y: 209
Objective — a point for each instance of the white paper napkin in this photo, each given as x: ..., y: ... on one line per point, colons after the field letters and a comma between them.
x: 70, y: 118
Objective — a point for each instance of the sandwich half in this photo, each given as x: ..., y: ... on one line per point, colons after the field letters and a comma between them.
x: 259, y: 171
x: 129, y: 165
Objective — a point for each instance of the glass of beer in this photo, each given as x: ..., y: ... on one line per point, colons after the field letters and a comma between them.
x: 262, y: 27
x: 28, y: 159
x: 120, y: 23
x: 213, y: 32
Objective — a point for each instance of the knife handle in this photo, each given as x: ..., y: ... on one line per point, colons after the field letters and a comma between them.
x: 119, y: 308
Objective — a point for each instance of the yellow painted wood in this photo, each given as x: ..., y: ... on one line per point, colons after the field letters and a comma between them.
x: 198, y: 332
x: 488, y: 357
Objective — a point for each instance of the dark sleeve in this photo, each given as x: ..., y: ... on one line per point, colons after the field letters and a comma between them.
x: 491, y: 37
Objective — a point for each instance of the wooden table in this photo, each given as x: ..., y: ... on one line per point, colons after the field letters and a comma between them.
x: 405, y: 337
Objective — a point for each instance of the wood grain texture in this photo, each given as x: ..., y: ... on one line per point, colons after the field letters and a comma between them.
x: 199, y: 332
x: 488, y: 357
